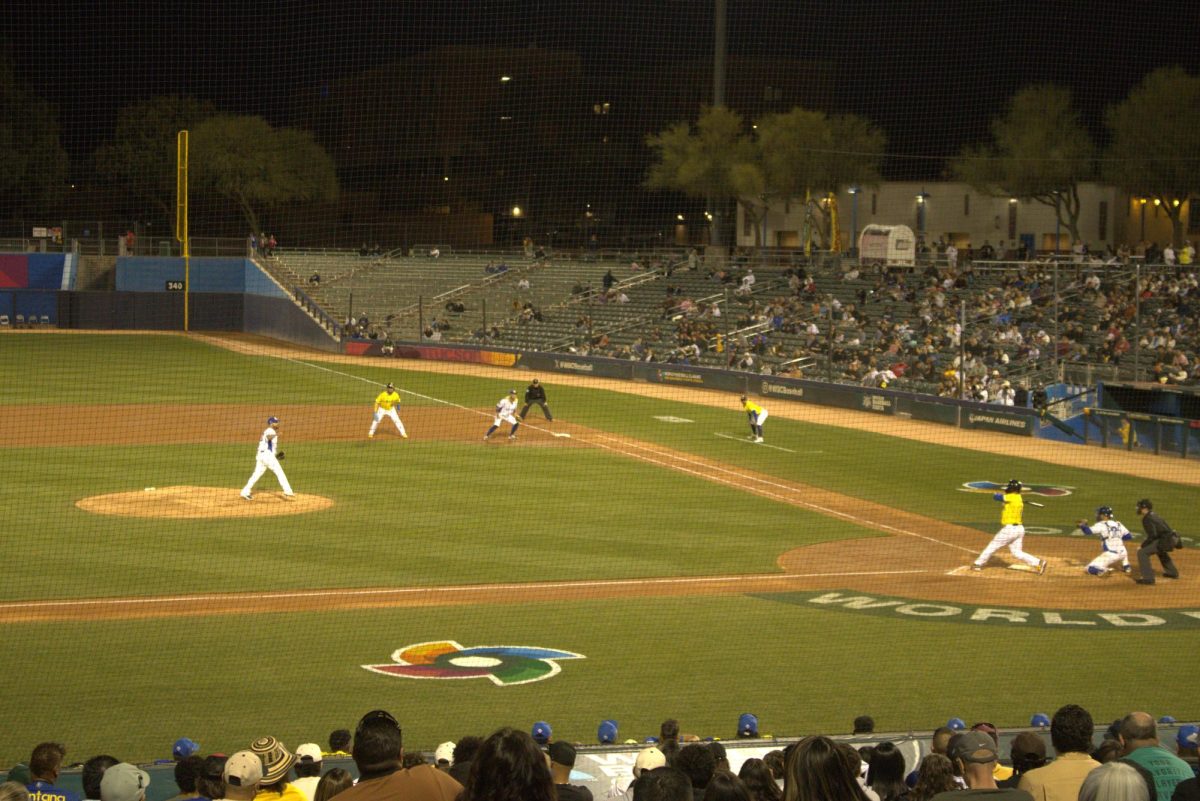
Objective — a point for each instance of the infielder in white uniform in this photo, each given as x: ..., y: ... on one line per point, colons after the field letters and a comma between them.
x: 506, y: 413
x: 268, y: 459
x: 1113, y: 537
x: 386, y: 404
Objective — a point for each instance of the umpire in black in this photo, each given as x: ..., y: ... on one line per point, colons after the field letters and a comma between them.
x: 535, y: 393
x: 1160, y: 540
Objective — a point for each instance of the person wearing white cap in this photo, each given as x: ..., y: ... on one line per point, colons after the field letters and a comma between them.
x: 443, y: 757
x: 242, y: 774
x: 124, y: 782
x: 1007, y: 396
x: 647, y: 759
x: 308, y: 769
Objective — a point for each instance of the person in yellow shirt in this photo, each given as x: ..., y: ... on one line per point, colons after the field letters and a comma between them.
x: 757, y: 415
x: 1012, y: 532
x: 386, y: 404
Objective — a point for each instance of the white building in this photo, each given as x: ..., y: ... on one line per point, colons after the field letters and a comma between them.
x: 960, y: 215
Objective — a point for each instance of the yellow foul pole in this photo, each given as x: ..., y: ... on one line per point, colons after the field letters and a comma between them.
x: 181, y: 216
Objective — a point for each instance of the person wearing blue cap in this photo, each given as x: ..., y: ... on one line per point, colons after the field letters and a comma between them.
x: 747, y: 725
x: 1187, y: 739
x: 184, y: 748
x: 541, y: 732
x: 506, y: 410
x: 268, y: 458
x: 606, y: 733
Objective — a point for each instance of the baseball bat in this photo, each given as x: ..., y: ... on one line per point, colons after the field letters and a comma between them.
x: 1035, y: 503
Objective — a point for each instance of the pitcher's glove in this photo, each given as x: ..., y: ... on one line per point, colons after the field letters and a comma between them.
x: 280, y: 455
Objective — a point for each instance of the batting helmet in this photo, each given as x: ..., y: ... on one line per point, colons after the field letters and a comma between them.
x: 272, y: 421
x: 1104, y: 511
x: 1013, y: 486
x: 1145, y: 503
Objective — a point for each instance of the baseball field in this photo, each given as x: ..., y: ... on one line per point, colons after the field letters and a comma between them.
x: 637, y: 559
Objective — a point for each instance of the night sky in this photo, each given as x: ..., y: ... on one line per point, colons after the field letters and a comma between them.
x: 932, y: 73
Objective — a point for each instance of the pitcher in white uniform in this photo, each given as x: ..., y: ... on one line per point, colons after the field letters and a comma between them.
x: 268, y: 458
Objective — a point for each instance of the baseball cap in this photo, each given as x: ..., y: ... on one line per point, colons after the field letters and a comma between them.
x: 309, y: 752
x: 974, y: 746
x: 1028, y: 747
x: 562, y: 753
x: 747, y: 725
x: 958, y: 724
x: 541, y: 732
x: 243, y: 769
x: 184, y: 748
x: 1040, y: 720
x: 124, y: 782
x: 272, y: 420
x: 607, y: 732
x: 1188, y: 735
x: 648, y: 759
x: 512, y: 392
x: 1167, y: 719
x: 444, y: 753
x: 276, y: 759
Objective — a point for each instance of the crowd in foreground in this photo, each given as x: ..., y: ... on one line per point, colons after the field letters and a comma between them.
x: 512, y: 765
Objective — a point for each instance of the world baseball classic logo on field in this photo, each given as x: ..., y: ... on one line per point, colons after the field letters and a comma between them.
x: 503, y: 664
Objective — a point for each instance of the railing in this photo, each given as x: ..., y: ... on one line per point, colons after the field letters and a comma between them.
x: 314, y: 309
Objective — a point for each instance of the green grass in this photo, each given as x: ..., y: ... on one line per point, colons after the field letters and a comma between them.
x: 427, y: 512
x: 704, y: 661
x: 418, y: 513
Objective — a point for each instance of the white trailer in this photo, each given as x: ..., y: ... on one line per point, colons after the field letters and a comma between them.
x: 888, y: 245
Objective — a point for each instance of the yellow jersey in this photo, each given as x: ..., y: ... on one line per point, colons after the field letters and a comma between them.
x: 387, y: 400
x: 1014, y: 507
x: 752, y: 407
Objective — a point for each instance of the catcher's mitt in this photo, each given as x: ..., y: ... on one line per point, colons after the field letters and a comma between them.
x: 1081, y: 522
x: 280, y: 455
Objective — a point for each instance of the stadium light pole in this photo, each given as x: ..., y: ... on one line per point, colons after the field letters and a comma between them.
x: 854, y: 190
x: 719, y: 12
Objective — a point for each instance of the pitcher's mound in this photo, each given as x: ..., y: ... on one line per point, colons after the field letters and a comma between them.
x: 200, y: 502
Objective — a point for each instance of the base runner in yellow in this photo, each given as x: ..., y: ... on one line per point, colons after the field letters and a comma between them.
x: 386, y: 404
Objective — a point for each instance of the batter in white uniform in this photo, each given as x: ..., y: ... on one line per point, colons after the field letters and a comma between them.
x: 506, y: 413
x: 268, y: 459
x: 1113, y: 537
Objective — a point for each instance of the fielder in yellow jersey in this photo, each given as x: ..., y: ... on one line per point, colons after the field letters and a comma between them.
x: 757, y: 416
x: 386, y: 404
x: 1012, y: 532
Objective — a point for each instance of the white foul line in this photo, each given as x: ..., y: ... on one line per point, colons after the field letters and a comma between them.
x: 459, y: 589
x: 752, y: 442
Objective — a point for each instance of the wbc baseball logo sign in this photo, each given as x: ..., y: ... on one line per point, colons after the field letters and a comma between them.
x: 504, y: 665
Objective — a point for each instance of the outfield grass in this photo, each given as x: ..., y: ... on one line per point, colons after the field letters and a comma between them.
x: 439, y: 512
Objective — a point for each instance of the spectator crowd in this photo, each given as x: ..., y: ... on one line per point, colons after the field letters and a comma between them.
x: 1129, y: 764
